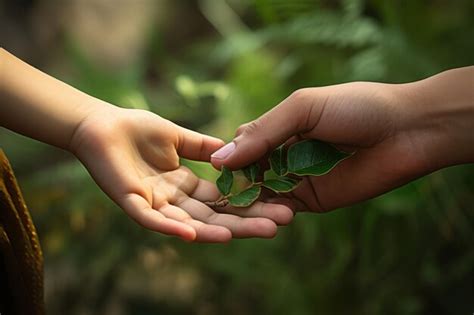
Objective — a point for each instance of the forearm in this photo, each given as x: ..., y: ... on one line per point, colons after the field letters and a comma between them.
x: 440, y: 110
x: 39, y: 106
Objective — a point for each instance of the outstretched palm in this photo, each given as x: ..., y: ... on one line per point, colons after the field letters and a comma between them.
x: 134, y: 155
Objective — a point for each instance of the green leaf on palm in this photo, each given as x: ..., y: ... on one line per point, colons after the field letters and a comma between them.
x: 278, y: 161
x: 251, y: 172
x: 281, y: 184
x: 246, y: 197
x: 225, y: 180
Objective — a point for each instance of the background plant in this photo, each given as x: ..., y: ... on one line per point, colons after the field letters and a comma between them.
x: 210, y: 66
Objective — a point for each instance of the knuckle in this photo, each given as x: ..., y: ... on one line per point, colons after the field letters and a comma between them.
x: 303, y: 103
x: 301, y: 100
x: 252, y: 127
x: 255, y: 130
x: 299, y: 96
x: 241, y: 129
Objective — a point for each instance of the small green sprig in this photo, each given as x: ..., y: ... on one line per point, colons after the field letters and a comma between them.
x: 304, y: 158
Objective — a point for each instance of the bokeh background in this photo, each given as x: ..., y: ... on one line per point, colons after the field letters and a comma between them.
x: 212, y: 65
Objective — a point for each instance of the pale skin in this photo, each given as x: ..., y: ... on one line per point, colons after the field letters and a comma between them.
x: 399, y: 132
x: 133, y: 155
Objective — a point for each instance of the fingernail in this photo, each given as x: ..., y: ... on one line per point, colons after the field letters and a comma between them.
x: 224, y: 152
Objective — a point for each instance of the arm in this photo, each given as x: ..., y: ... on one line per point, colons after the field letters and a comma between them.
x: 400, y: 132
x: 133, y: 155
x: 39, y: 106
x: 440, y: 113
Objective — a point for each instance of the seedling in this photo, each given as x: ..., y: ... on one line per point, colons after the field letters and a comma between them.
x: 305, y: 158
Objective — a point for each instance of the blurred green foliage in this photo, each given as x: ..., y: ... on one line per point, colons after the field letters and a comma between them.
x: 407, y: 252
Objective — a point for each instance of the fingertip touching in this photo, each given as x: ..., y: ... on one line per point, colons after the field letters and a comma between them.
x: 242, y: 151
x: 259, y: 137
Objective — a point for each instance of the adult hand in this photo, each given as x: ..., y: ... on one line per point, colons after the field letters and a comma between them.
x: 399, y: 132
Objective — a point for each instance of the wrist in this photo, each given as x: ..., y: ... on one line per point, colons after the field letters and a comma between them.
x: 438, y: 115
x: 95, y: 117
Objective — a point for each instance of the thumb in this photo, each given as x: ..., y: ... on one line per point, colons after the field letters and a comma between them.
x: 261, y: 136
x: 195, y: 146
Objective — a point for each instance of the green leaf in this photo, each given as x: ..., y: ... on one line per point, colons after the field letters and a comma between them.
x: 278, y: 161
x: 251, y: 172
x: 225, y: 180
x: 282, y: 184
x: 313, y: 157
x: 246, y: 198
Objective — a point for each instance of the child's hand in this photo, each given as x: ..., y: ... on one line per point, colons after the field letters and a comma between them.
x: 133, y: 155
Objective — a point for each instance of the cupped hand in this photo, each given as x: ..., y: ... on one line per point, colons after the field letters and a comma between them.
x: 396, y: 131
x: 133, y: 155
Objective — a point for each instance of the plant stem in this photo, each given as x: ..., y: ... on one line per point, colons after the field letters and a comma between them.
x: 219, y: 203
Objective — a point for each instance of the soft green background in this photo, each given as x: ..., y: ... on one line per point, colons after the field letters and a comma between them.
x: 211, y: 66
